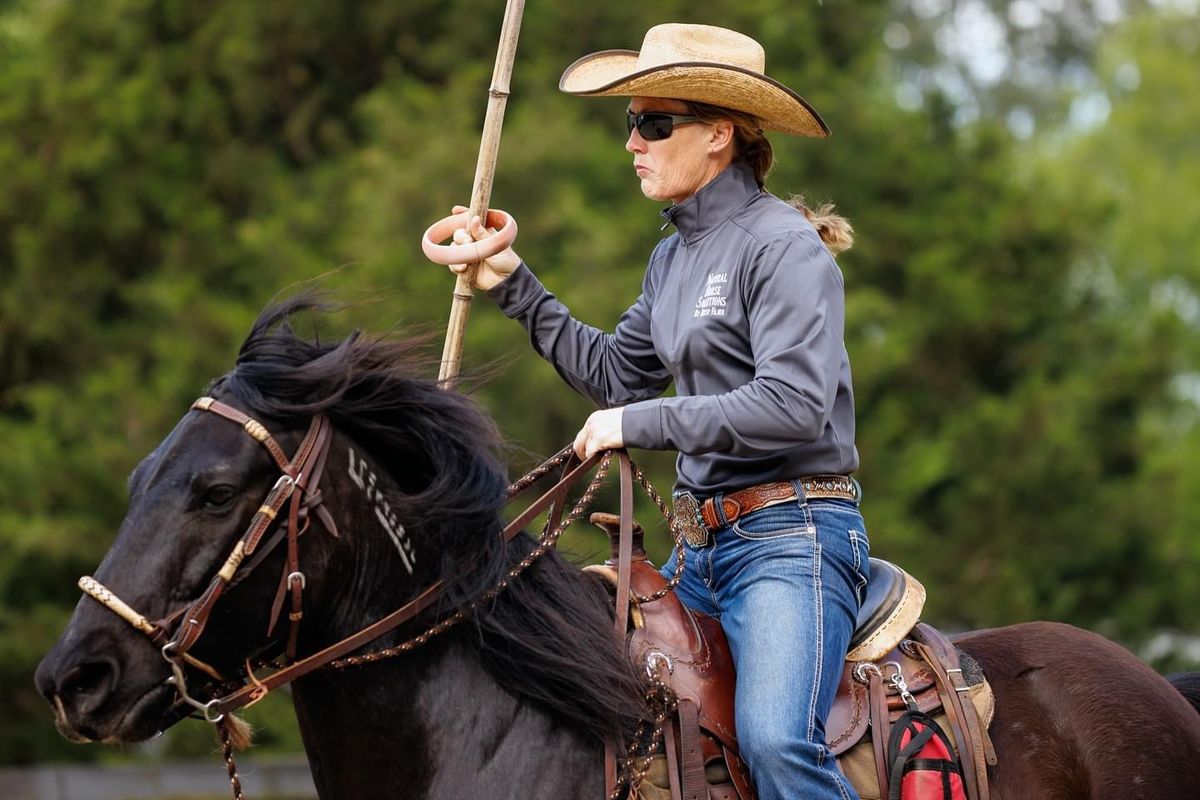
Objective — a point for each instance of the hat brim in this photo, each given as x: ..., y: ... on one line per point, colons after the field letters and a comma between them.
x: 615, y: 72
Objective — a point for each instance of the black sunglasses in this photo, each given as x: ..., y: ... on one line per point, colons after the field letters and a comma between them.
x: 655, y: 125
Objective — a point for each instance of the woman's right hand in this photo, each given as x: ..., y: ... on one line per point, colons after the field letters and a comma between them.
x: 492, y: 271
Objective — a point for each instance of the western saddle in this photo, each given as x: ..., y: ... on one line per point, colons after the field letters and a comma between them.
x: 895, y: 662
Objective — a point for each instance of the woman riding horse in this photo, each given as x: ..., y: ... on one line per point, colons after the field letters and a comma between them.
x: 742, y: 308
x: 519, y: 700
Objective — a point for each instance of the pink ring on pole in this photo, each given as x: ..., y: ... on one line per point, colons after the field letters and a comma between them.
x: 473, y: 252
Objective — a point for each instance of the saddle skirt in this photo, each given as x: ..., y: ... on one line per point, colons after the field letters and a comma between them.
x: 688, y: 650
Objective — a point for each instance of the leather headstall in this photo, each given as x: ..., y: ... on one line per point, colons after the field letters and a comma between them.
x: 299, y: 483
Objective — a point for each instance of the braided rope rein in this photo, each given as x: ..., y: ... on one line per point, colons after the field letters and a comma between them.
x: 547, y: 542
x: 659, y: 696
x: 226, y: 738
x: 635, y: 764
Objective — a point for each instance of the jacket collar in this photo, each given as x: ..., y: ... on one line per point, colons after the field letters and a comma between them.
x: 714, y: 203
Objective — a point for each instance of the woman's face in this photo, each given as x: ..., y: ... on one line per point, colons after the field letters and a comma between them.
x: 676, y: 167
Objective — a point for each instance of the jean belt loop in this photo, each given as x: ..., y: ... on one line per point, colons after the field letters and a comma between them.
x: 718, y: 501
x: 801, y: 498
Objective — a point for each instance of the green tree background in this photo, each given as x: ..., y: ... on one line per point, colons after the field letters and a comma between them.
x: 1023, y: 300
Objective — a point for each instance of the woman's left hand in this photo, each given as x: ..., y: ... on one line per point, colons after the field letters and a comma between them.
x: 602, y: 431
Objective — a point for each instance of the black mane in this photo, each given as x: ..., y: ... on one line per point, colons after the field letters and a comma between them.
x: 548, y: 636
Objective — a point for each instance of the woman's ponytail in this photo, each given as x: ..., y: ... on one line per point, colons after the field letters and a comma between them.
x: 752, y: 148
x: 836, y: 231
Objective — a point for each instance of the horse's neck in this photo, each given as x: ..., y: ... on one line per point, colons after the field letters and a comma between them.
x: 434, y: 725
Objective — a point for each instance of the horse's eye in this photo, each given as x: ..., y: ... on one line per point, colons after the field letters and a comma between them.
x: 217, y: 497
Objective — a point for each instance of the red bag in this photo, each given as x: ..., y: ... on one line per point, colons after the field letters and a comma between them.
x: 923, y: 764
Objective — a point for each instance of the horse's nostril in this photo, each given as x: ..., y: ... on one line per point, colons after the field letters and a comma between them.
x: 87, y: 683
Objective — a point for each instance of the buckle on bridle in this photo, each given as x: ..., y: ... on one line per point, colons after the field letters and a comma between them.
x: 287, y: 481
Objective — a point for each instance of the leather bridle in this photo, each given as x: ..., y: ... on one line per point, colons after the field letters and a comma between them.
x: 299, y: 483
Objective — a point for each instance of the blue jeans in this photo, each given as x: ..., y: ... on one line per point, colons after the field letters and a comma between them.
x: 786, y: 583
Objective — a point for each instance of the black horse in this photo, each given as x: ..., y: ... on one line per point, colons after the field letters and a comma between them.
x: 519, y: 700
x: 516, y: 703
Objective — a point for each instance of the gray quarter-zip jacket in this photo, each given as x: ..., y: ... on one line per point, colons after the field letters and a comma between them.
x: 743, y: 308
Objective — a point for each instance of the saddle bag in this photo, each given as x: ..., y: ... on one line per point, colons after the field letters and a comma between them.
x: 922, y: 762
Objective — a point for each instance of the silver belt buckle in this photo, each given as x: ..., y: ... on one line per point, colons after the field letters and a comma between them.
x: 689, y: 520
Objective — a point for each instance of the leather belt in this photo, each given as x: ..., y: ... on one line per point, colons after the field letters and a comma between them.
x: 698, y: 517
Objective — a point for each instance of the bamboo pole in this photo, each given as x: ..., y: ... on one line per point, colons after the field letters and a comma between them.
x: 481, y: 193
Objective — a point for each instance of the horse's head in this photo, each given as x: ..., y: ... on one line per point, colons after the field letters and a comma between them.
x: 200, y: 495
x: 187, y: 501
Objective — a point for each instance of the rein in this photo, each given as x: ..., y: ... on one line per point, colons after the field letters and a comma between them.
x: 299, y: 484
x: 333, y: 655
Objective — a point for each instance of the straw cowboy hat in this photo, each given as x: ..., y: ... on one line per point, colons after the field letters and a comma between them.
x: 702, y: 63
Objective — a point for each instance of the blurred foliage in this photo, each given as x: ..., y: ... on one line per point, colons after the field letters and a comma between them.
x: 1022, y: 313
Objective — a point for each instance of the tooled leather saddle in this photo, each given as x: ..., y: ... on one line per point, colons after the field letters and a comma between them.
x: 894, y: 663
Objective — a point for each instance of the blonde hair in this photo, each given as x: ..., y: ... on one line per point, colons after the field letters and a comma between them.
x: 836, y: 231
x: 752, y: 148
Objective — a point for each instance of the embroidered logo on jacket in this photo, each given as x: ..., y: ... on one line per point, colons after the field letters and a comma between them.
x: 712, y: 301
